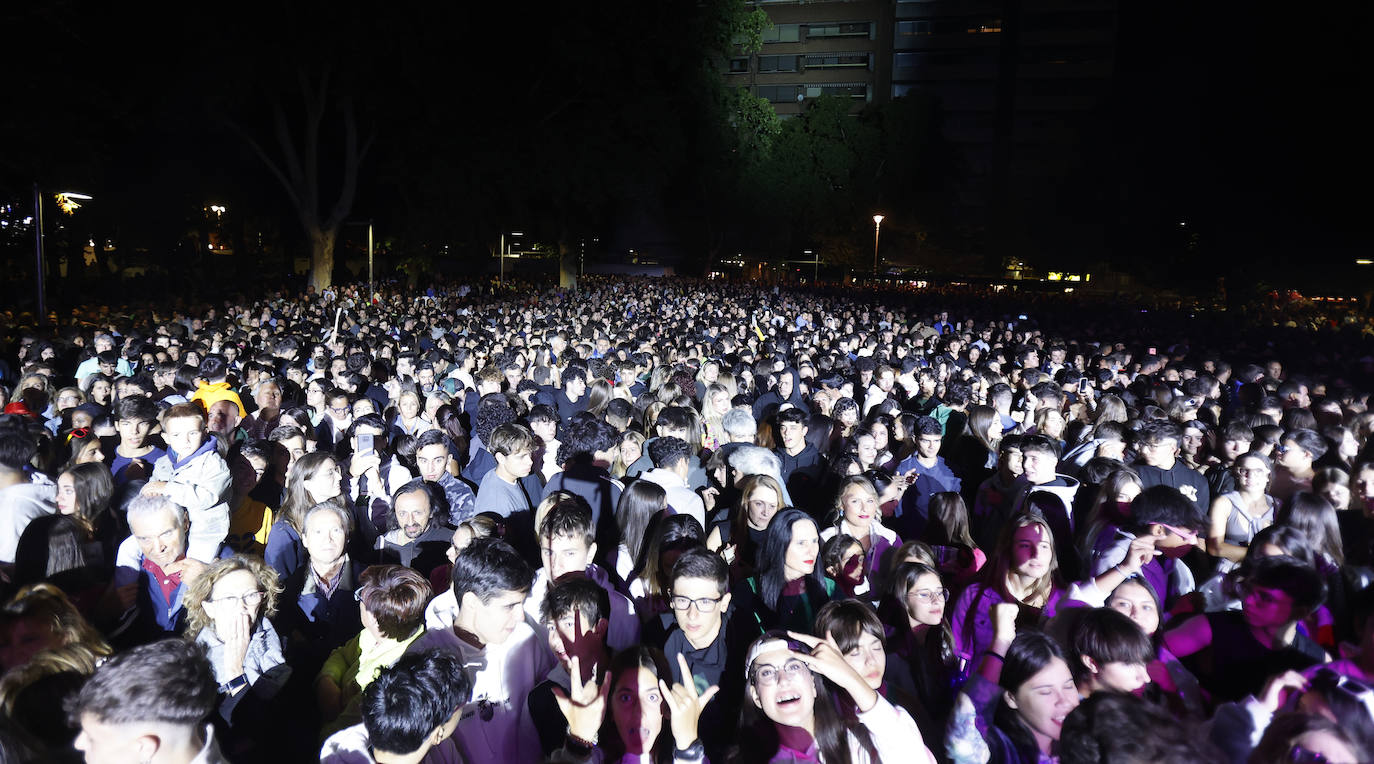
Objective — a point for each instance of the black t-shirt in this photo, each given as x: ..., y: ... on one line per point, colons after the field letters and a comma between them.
x: 1236, y: 664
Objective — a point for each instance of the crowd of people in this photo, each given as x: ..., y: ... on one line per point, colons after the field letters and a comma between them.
x: 675, y: 520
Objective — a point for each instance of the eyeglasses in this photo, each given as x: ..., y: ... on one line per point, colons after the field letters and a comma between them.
x: 767, y: 676
x: 248, y: 599
x: 929, y: 595
x: 704, y: 604
x: 80, y: 433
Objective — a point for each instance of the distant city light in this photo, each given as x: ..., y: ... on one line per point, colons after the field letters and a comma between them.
x: 1363, y: 261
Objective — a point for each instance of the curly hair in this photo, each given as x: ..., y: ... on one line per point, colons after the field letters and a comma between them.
x: 200, y: 589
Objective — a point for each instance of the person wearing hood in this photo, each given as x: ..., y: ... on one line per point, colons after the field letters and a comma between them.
x: 482, y: 620
x: 788, y: 390
x: 212, y: 385
x: 193, y: 474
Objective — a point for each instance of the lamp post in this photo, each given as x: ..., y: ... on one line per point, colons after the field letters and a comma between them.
x: 67, y: 201
x: 877, y: 227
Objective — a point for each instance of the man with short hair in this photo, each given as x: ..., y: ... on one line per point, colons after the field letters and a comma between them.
x: 567, y: 547
x: 149, y: 703
x: 268, y: 396
x: 409, y: 714
x: 195, y: 476
x: 482, y: 620
x: 802, y: 465
x: 929, y: 476
x: 573, y: 614
x: 417, y: 538
x: 699, y: 599
x: 432, y: 458
x: 1158, y: 448
x: 511, y: 489
x: 669, y: 456
x: 672, y: 422
x: 570, y: 399
x: 137, y: 450
x: 591, y: 447
x: 22, y: 498
x: 152, y: 571
x: 1173, y: 524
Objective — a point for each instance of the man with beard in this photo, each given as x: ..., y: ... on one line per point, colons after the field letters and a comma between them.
x: 417, y: 538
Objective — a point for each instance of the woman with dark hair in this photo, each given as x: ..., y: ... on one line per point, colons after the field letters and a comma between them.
x: 789, y: 588
x: 921, y: 637
x: 640, y: 699
x: 1109, y: 651
x: 448, y: 419
x: 669, y: 536
x: 973, y: 453
x: 947, y: 533
x: 314, y: 478
x: 1303, y: 737
x: 1016, y: 702
x: 794, y: 682
x: 854, y: 628
x: 880, y: 426
x: 1023, y: 571
x: 84, y: 492
x: 1237, y: 516
x: 639, y: 504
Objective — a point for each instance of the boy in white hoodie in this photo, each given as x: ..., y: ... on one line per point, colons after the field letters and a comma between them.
x: 482, y: 620
x: 193, y: 474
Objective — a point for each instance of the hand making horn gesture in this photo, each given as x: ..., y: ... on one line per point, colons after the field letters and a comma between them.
x: 685, y: 705
x: 585, y: 705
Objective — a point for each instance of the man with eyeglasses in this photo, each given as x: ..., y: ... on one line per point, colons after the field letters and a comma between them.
x: 1157, y: 444
x: 700, y: 603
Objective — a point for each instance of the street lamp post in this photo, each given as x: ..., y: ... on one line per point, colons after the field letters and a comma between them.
x: 67, y: 200
x: 877, y: 227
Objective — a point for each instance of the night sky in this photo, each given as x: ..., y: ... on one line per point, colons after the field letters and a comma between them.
x: 1245, y: 123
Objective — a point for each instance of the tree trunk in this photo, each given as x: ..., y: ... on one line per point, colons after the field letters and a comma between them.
x: 322, y: 257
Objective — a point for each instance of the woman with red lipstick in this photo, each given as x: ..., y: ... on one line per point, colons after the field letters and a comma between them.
x: 856, y: 514
x: 790, y: 587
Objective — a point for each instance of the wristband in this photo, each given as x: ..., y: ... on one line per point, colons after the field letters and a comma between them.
x: 694, y: 752
x: 229, y: 687
x: 577, y: 746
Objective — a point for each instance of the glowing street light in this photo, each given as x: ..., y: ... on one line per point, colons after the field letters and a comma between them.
x: 877, y: 228
x: 68, y: 202
x: 513, y: 234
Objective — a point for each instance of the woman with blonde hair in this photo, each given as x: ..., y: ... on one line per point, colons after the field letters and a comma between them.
x: 856, y: 513
x: 228, y: 608
x: 715, y: 404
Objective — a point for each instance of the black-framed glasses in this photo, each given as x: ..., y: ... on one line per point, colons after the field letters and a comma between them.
x: 704, y: 604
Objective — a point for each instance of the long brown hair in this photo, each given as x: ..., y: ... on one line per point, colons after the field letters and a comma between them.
x: 998, y: 568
